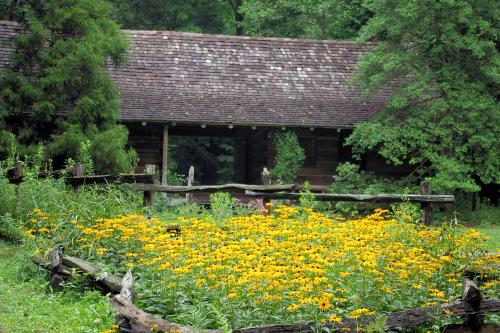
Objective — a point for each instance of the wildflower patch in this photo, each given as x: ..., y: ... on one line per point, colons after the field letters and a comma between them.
x: 292, y: 265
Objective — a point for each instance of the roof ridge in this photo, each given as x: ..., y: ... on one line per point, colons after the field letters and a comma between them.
x: 249, y: 38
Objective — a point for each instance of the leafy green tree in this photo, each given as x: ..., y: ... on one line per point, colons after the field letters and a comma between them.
x: 237, y: 16
x: 441, y: 60
x: 325, y: 19
x: 58, y: 92
x: 207, y: 16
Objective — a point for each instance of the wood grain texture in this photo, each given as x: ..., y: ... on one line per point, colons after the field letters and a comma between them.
x: 241, y: 188
x: 442, y: 199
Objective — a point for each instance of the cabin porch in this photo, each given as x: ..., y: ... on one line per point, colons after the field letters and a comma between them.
x: 222, y: 154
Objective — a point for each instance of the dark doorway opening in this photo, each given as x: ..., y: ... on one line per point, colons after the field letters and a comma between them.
x: 212, y: 158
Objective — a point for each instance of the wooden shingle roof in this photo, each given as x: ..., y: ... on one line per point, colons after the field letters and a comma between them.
x: 197, y: 78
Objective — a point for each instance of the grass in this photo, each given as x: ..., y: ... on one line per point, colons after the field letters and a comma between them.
x: 493, y: 232
x: 30, y: 307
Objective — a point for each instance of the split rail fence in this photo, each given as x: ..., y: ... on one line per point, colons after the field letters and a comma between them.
x: 148, y: 184
x: 471, y: 307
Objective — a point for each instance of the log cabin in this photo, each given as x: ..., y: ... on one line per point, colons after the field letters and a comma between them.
x: 242, y: 89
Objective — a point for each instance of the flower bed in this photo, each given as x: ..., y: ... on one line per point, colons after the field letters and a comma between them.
x: 291, y: 265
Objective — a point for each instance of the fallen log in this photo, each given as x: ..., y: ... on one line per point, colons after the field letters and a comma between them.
x: 111, y: 282
x: 103, y: 280
x: 141, y: 321
x: 47, y: 264
x: 132, y: 319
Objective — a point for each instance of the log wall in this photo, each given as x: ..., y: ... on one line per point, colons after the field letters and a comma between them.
x: 147, y: 142
x: 254, y: 150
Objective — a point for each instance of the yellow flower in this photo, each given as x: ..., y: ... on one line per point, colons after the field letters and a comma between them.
x: 446, y: 258
x: 324, y: 304
x: 334, y: 319
x: 361, y: 313
x: 100, y: 251
x: 436, y: 293
x: 293, y: 307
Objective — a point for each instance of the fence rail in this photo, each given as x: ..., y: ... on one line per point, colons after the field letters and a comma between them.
x: 147, y: 184
x: 286, y: 192
x: 437, y: 199
x: 231, y: 188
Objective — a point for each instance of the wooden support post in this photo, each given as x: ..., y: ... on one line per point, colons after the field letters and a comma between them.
x: 124, y: 324
x: 425, y: 189
x: 190, y: 183
x: 56, y: 278
x: 472, y: 297
x: 147, y: 199
x: 18, y: 174
x: 266, y: 180
x: 77, y: 171
x: 165, y: 156
x: 265, y: 176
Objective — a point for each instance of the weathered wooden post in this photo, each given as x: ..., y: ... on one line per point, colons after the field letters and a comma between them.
x: 425, y: 189
x: 164, y: 156
x: 77, y: 171
x: 265, y: 176
x: 266, y: 180
x: 147, y: 199
x: 56, y: 279
x: 124, y: 324
x: 190, y: 183
x: 18, y: 176
x: 472, y: 297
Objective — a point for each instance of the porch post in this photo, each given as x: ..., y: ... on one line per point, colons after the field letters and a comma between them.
x: 165, y: 156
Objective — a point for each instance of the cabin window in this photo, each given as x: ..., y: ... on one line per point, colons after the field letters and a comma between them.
x: 309, y: 146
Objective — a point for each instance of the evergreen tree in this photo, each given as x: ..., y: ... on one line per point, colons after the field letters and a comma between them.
x: 324, y: 19
x: 58, y: 91
x: 441, y: 60
x: 208, y: 16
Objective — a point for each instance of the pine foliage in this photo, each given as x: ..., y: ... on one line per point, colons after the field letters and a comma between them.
x: 58, y: 92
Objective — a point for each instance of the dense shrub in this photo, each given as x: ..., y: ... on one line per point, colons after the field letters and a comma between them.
x: 289, y: 157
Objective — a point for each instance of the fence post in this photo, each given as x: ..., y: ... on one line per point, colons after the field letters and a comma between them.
x: 473, y: 297
x: 425, y: 189
x: 18, y: 175
x: 77, y: 171
x: 147, y: 199
x: 265, y: 176
x: 189, y: 196
x: 266, y: 180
